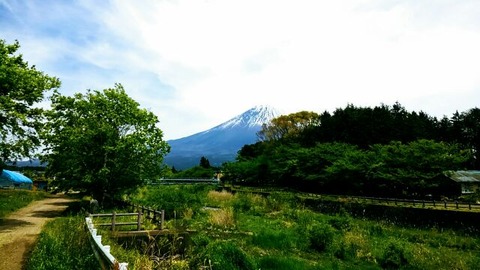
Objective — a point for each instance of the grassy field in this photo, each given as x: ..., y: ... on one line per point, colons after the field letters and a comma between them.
x: 11, y: 200
x: 246, y: 231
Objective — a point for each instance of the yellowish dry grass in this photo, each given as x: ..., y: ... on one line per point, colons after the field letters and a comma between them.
x: 188, y: 213
x: 222, y: 217
x: 219, y: 197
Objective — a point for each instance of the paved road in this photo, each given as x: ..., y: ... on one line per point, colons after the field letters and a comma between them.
x: 19, y: 230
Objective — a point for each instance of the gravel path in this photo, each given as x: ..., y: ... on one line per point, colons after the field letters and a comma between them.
x: 19, y: 230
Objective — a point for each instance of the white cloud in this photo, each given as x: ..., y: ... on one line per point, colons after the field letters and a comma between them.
x: 198, y: 63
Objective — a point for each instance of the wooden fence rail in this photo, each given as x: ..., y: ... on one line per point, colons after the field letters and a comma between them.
x: 141, y: 211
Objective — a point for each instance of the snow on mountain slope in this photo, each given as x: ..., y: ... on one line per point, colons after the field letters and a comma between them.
x: 255, y: 117
x: 220, y: 143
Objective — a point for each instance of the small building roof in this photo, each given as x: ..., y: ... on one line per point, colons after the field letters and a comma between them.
x: 464, y: 176
x: 15, y: 177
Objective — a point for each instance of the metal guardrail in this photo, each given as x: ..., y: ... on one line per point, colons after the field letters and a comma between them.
x: 170, y: 181
x: 435, y: 204
x: 102, y: 253
x: 420, y: 203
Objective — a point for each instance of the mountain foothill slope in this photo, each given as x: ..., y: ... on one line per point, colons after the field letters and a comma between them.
x: 221, y: 143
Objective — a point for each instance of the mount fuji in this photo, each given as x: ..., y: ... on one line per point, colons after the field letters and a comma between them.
x: 221, y: 143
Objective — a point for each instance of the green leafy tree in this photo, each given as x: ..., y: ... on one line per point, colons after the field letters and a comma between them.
x: 253, y: 171
x: 196, y: 172
x: 365, y: 126
x: 21, y: 87
x: 204, y: 163
x: 471, y: 133
x: 410, y: 168
x: 250, y: 151
x: 102, y: 142
x: 288, y: 126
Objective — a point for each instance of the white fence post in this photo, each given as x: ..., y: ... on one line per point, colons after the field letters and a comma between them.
x: 102, y: 252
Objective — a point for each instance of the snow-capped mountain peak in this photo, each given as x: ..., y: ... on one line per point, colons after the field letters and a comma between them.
x: 221, y: 143
x: 256, y: 116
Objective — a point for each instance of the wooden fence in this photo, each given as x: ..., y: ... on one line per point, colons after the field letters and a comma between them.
x: 157, y: 217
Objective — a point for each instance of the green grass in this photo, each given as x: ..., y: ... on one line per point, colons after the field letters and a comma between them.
x: 63, y: 244
x: 311, y: 239
x: 284, y: 263
x: 12, y: 200
x: 172, y: 198
x: 279, y: 232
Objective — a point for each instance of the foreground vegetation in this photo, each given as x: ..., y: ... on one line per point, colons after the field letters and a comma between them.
x: 11, y: 200
x: 63, y: 244
x: 248, y: 231
x: 245, y: 231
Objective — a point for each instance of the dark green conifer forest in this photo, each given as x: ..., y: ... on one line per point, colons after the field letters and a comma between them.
x: 382, y: 151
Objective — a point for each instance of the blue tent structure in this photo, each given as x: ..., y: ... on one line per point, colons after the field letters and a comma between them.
x: 14, y: 180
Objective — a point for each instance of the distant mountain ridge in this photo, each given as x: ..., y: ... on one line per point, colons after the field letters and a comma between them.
x: 220, y: 143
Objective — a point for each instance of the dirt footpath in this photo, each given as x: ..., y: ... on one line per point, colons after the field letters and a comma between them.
x: 19, y: 230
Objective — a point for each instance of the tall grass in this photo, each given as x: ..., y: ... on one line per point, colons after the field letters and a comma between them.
x: 285, y: 263
x: 223, y: 218
x: 63, y: 244
x: 223, y: 255
x: 172, y: 198
x: 219, y: 198
x: 280, y: 232
x: 12, y: 200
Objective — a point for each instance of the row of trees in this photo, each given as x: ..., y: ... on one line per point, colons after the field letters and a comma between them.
x: 365, y: 126
x: 384, y: 151
x: 100, y: 142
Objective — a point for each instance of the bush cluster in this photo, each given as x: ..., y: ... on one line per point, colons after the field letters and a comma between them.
x: 221, y: 255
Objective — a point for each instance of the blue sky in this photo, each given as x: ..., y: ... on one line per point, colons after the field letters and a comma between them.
x: 196, y: 64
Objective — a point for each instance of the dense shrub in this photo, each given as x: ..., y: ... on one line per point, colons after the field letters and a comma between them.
x: 222, y: 255
x: 342, y: 223
x: 303, y: 217
x: 200, y: 240
x: 375, y: 229
x: 283, y: 263
x: 320, y: 236
x: 274, y: 238
x: 395, y: 256
x: 278, y: 201
x: 242, y: 202
x: 354, y: 245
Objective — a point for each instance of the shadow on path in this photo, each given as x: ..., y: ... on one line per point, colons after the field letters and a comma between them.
x: 12, y: 224
x: 46, y: 214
